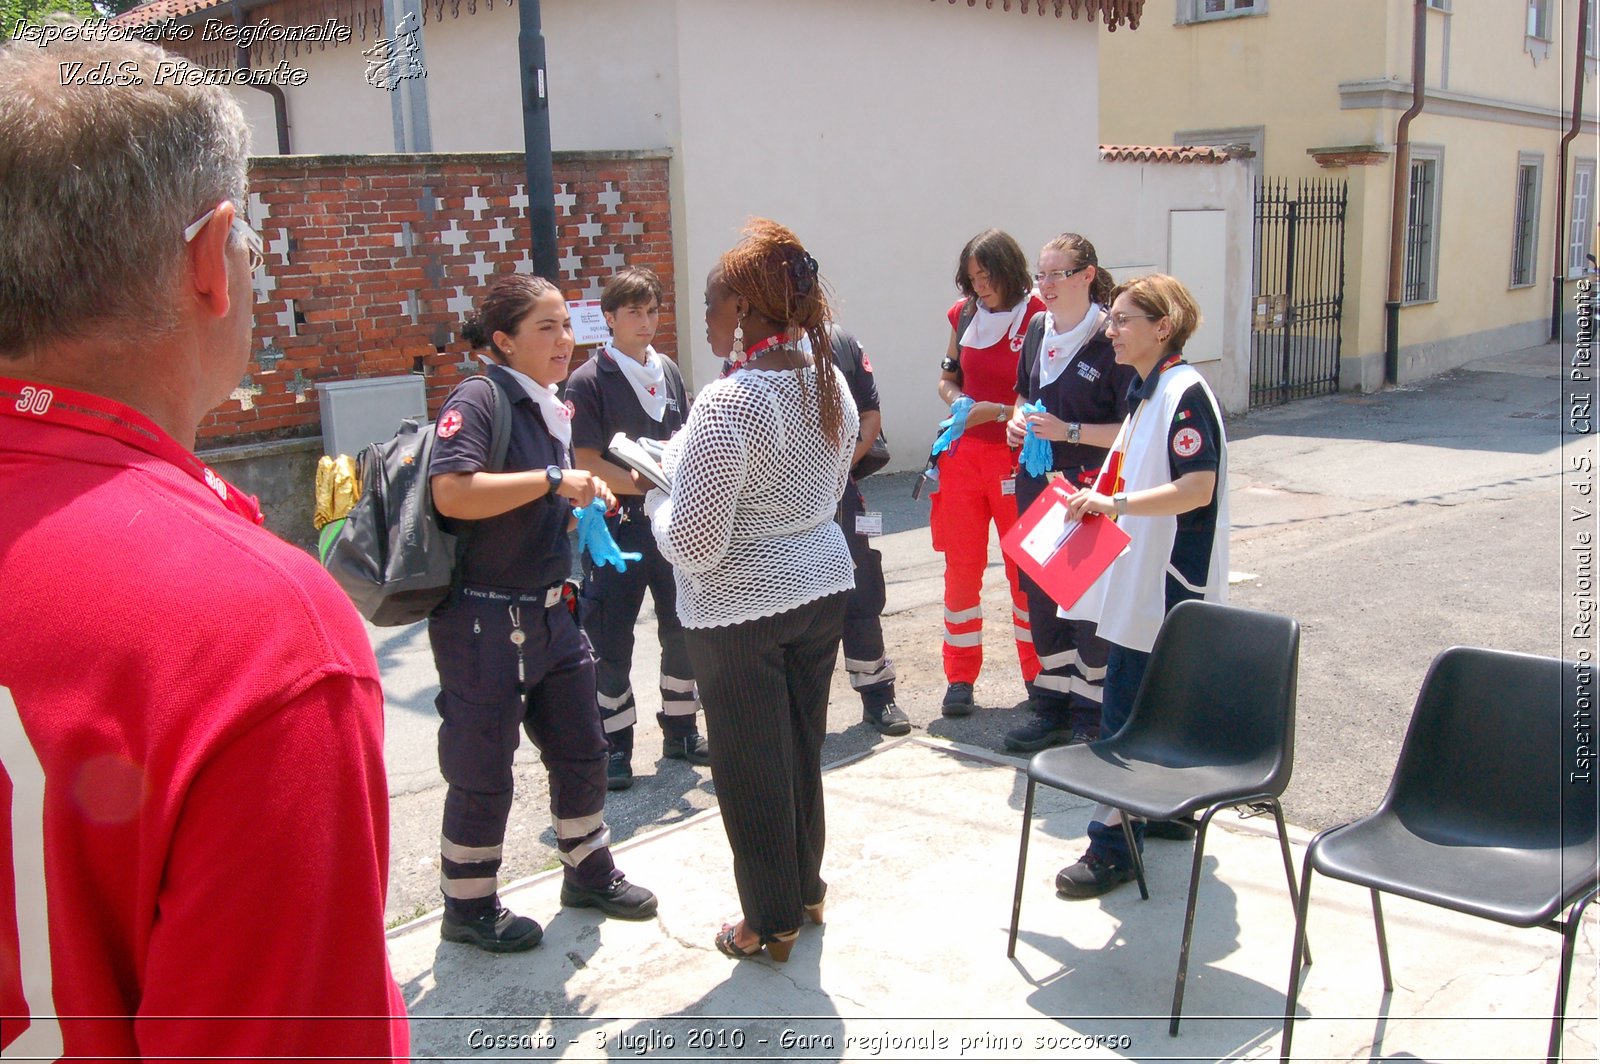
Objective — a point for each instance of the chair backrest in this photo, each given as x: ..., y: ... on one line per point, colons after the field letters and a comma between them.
x: 1492, y: 752
x: 1220, y: 690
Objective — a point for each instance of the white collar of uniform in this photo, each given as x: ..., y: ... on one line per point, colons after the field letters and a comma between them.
x: 557, y: 418
x: 647, y: 379
x: 988, y: 326
x: 1059, y: 348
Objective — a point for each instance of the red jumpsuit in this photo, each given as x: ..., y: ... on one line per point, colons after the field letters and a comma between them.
x: 973, y: 480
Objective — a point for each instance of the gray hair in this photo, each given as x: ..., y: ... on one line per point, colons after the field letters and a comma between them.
x: 97, y: 184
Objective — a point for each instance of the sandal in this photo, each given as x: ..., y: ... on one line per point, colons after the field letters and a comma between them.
x: 777, y: 946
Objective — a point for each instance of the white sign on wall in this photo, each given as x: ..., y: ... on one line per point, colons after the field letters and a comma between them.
x: 588, y: 322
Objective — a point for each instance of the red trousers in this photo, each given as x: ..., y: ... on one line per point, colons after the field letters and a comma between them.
x: 971, y: 496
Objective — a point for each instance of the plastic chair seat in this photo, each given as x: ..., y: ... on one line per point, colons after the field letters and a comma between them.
x: 1518, y: 886
x: 1137, y: 782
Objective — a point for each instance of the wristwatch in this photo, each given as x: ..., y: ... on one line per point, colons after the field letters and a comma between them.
x: 1074, y: 431
x: 553, y: 475
x: 1120, y: 501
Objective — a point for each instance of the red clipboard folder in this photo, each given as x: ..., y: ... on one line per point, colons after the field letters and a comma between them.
x: 1063, y: 556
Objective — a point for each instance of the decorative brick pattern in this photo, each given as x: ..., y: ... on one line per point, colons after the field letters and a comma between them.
x: 373, y: 261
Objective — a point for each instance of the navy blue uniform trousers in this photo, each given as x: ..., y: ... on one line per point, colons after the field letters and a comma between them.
x: 482, y: 705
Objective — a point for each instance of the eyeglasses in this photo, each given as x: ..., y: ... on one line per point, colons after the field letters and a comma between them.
x: 1058, y: 275
x: 1121, y: 320
x: 251, y: 238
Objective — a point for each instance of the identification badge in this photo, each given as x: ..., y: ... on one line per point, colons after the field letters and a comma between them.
x: 1008, y: 486
x: 869, y: 524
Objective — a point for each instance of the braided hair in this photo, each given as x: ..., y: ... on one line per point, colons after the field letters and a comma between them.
x: 771, y: 270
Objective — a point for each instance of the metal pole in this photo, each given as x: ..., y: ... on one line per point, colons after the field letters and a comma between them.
x: 1402, y: 179
x: 1563, y: 154
x: 536, y: 145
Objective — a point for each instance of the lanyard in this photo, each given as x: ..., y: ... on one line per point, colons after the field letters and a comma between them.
x: 106, y: 417
x: 1110, y: 481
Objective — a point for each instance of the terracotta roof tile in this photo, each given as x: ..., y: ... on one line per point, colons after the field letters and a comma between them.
x: 1113, y: 13
x: 162, y: 11
x: 1128, y: 153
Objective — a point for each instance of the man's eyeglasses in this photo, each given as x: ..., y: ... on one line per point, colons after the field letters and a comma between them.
x: 1058, y: 275
x: 251, y: 238
x: 1121, y: 320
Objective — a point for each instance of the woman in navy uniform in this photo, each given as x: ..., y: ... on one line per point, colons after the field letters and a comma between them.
x: 509, y: 651
x: 1068, y: 365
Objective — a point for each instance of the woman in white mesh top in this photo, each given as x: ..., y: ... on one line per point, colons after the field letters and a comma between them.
x: 763, y: 572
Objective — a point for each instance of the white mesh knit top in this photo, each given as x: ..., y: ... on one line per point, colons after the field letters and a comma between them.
x: 749, y: 527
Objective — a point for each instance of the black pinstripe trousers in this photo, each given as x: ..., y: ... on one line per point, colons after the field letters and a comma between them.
x: 764, y: 685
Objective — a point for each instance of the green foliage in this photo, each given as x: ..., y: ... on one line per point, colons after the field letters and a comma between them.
x: 37, y: 11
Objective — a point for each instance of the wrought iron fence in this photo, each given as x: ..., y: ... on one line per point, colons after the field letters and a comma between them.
x: 1297, y: 320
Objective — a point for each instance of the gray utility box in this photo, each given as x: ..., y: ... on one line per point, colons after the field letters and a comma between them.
x: 356, y: 413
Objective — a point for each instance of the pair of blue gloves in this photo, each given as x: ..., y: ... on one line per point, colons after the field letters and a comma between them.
x: 1037, y: 456
x: 595, y: 538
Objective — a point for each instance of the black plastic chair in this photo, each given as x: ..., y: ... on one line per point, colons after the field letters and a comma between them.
x: 1481, y: 816
x: 1212, y: 727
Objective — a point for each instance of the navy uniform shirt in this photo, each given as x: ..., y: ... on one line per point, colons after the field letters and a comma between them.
x: 1092, y: 390
x: 1194, y: 444
x: 523, y: 549
x: 604, y: 404
x: 852, y: 362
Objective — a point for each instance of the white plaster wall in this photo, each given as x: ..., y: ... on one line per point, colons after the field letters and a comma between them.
x: 1130, y: 224
x: 885, y: 134
x: 334, y: 112
x: 474, y: 83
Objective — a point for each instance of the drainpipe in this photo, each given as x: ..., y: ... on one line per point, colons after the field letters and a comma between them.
x: 537, y: 158
x: 1402, y: 176
x: 1558, y: 274
x: 280, y: 105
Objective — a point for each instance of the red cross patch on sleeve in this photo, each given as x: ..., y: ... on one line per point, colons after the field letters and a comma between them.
x: 1186, y: 443
x: 449, y: 424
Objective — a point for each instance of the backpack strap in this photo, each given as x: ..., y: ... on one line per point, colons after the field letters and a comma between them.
x: 1032, y: 341
x: 969, y: 310
x: 500, y: 438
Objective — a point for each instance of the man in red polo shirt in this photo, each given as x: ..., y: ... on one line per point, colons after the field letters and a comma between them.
x: 192, y: 805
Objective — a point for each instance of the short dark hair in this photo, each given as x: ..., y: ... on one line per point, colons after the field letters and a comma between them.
x: 1002, y: 259
x: 631, y: 286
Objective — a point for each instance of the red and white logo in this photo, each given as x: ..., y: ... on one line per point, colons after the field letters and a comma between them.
x: 449, y: 424
x: 570, y: 409
x: 866, y: 363
x: 1186, y: 443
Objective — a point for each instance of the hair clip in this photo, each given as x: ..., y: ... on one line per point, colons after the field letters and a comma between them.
x: 803, y: 268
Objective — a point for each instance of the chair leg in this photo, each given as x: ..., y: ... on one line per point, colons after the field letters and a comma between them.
x: 1292, y: 994
x: 1188, y: 919
x: 1022, y: 864
x: 1288, y: 863
x: 1383, y: 942
x: 1569, y: 938
x: 1133, y: 848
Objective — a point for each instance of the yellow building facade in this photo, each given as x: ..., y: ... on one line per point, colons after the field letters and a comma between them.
x: 1315, y: 88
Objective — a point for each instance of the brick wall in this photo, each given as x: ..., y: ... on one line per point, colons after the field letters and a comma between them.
x: 374, y: 260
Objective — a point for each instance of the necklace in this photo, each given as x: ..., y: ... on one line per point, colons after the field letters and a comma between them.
x: 771, y: 343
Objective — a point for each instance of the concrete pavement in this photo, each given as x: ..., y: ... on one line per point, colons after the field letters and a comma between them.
x: 1390, y: 525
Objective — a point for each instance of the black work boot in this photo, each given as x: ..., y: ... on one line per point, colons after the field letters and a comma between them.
x: 687, y: 746
x: 889, y: 719
x: 619, y: 767
x: 958, y: 700
x: 498, y: 930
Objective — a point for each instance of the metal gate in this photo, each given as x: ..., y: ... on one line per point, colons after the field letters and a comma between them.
x: 1297, y: 317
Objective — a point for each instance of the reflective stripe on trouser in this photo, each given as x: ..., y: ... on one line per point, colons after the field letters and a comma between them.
x: 871, y: 673
x: 969, y: 500
x: 481, y: 713
x: 609, y: 606
x: 765, y: 688
x: 1072, y: 657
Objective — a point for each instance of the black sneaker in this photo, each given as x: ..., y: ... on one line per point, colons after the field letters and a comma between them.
x: 1181, y: 830
x: 498, y: 931
x: 958, y: 700
x: 691, y: 748
x: 1042, y: 732
x: 889, y: 719
x: 619, y: 769
x: 621, y: 899
x: 1090, y: 877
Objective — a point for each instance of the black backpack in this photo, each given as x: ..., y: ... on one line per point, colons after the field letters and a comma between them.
x: 393, y: 557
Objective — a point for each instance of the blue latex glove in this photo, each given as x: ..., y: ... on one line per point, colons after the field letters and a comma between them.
x: 953, y: 426
x: 595, y: 537
x: 1037, y: 455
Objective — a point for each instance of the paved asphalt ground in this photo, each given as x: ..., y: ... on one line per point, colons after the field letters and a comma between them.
x: 1390, y: 525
